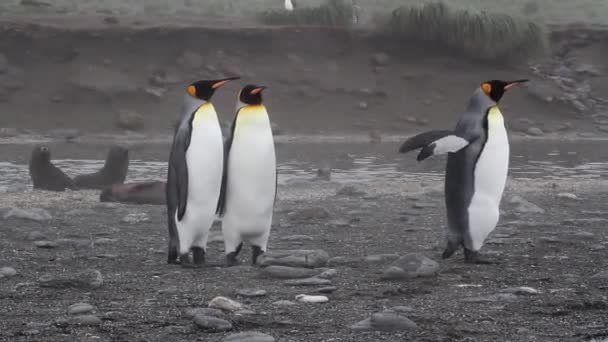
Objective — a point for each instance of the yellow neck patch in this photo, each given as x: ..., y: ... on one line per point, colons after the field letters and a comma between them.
x: 252, y: 113
x: 204, y: 113
x: 495, y: 118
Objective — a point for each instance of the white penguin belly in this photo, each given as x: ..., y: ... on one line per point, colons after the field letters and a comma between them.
x: 204, y: 158
x: 251, y: 182
x: 490, y: 177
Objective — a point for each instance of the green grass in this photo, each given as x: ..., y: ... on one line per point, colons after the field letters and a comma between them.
x: 332, y: 13
x: 479, y: 35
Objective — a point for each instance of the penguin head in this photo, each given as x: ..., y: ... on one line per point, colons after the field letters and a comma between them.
x: 495, y: 89
x: 251, y: 94
x: 41, y: 153
x: 204, y: 89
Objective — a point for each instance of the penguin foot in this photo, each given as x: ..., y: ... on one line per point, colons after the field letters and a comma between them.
x: 472, y: 257
x: 198, y: 255
x: 256, y: 251
x: 185, y: 261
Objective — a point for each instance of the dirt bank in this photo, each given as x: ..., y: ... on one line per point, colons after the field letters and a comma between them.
x: 82, y: 73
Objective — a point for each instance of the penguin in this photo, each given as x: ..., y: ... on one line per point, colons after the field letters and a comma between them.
x: 195, y: 172
x: 250, y: 180
x: 289, y: 5
x: 476, y: 171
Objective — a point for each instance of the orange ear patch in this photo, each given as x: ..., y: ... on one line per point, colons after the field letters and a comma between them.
x: 192, y: 90
x: 487, y: 88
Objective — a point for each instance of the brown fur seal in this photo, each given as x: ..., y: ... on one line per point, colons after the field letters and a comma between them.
x: 114, y: 171
x: 135, y: 193
x: 45, y: 175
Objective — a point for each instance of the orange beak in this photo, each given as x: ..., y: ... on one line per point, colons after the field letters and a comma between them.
x: 223, y: 82
x: 258, y: 90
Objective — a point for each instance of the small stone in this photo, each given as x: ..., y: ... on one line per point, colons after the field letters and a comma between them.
x: 86, y: 320
x: 169, y: 290
x: 525, y: 207
x: 250, y: 293
x: 328, y: 274
x: 314, y: 281
x: 249, y: 336
x: 191, y: 313
x: 534, y: 131
x: 46, y: 244
x: 135, y: 218
x: 309, y: 214
x: 7, y: 272
x: 130, y: 120
x: 80, y: 309
x: 311, y: 299
x: 156, y: 91
x: 585, y: 235
x: 225, y: 304
x: 212, y: 323
x: 387, y: 321
x: 286, y: 272
x: 327, y: 289
x: 362, y: 105
x: 411, y: 266
x: 522, y: 290
x: 32, y: 214
x: 296, y: 258
x: 380, y: 59
x: 90, y: 279
x: 283, y: 303
x: 566, y: 195
x: 381, y: 258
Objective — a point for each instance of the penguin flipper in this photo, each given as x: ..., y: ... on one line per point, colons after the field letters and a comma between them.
x: 221, y: 203
x: 178, y: 164
x: 423, y: 139
x: 448, y: 144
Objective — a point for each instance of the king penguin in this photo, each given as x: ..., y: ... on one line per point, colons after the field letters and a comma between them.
x: 250, y: 181
x: 477, y: 166
x: 194, y: 178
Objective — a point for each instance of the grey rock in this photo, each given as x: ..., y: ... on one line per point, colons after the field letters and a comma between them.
x: 308, y: 214
x: 523, y: 206
x: 521, y: 290
x: 131, y: 120
x: 225, y: 304
x: 135, y: 218
x: 157, y: 92
x: 380, y: 59
x: 327, y: 289
x: 381, y: 258
x: 385, y: 321
x: 36, y: 235
x: 534, y: 131
x: 210, y: 312
x: 250, y: 293
x: 286, y: 272
x: 90, y: 279
x: 296, y: 258
x: 32, y: 214
x: 101, y: 79
x: 249, y: 336
x: 501, y: 297
x: 314, y: 281
x: 212, y: 323
x: 283, y: 303
x: 86, y: 320
x: 80, y: 309
x: 46, y: 244
x: 7, y: 272
x: 566, y: 195
x: 362, y: 105
x: 411, y: 266
x: 169, y: 290
x: 296, y: 238
x: 350, y: 191
x: 588, y: 70
x: 328, y: 274
x: 585, y: 235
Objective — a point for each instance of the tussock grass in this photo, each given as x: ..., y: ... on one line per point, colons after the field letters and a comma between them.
x: 479, y: 35
x: 332, y: 13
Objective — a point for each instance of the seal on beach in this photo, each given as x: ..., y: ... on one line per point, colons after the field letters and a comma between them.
x: 135, y: 193
x: 194, y: 177
x: 249, y: 187
x: 114, y: 171
x: 45, y: 175
x: 476, y: 171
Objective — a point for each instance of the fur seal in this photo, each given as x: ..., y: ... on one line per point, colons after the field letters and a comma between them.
x: 45, y: 175
x: 114, y: 171
x: 135, y: 193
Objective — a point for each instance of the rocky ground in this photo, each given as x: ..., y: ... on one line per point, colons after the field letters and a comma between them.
x: 77, y: 269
